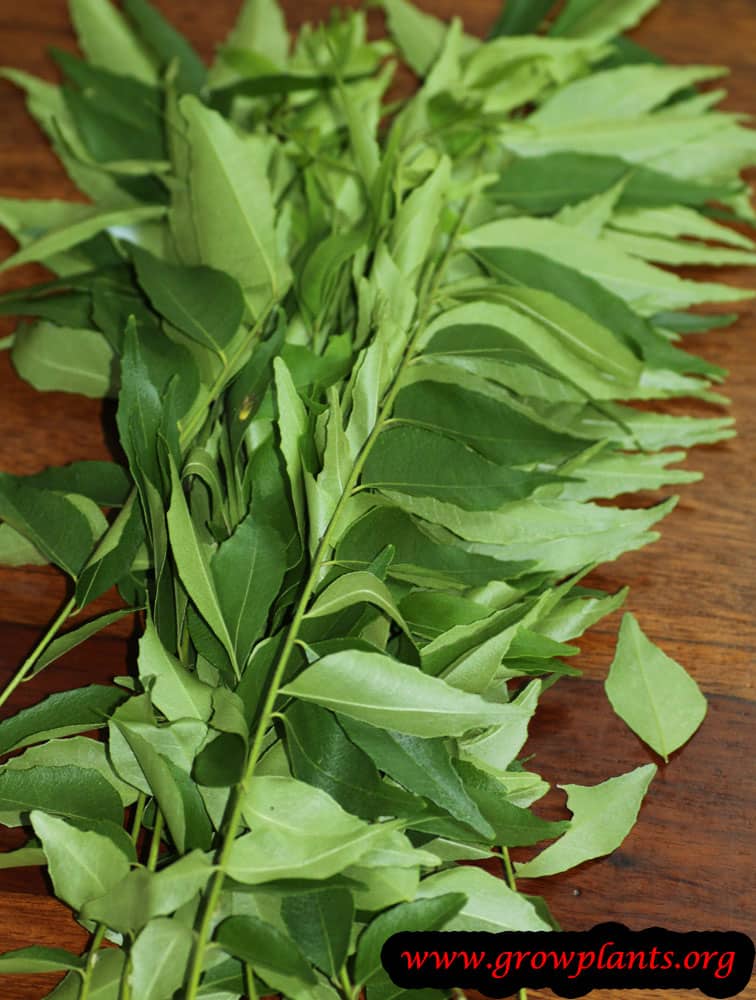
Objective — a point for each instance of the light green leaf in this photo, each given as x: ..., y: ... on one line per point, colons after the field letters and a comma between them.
x: 143, y: 894
x: 491, y: 905
x: 248, y: 570
x: 76, y: 636
x: 174, y: 689
x: 158, y: 959
x: 38, y: 959
x: 63, y: 359
x: 602, y: 816
x: 298, y: 831
x: 384, y: 692
x: 97, y: 220
x: 106, y: 978
x: 648, y: 289
x: 356, y: 588
x: 629, y: 91
x: 108, y: 41
x: 260, y: 28
x: 600, y: 19
x: 82, y: 864
x: 233, y: 206
x: 652, y: 693
x: 292, y: 424
x: 193, y: 566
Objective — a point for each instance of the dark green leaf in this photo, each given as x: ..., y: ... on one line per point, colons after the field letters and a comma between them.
x: 424, y: 767
x: 515, y: 827
x: 320, y: 923
x: 423, y: 915
x: 75, y: 792
x: 206, y: 304
x: 60, y: 714
x: 263, y: 945
x: 418, y: 462
x: 544, y: 184
x: 320, y: 754
x: 168, y: 44
x: 521, y: 17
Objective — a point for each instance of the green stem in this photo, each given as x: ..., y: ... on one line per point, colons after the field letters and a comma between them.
x: 136, y: 825
x: 28, y: 665
x: 86, y: 981
x: 236, y: 803
x: 346, y: 985
x: 249, y: 982
x: 157, y: 833
x: 522, y: 994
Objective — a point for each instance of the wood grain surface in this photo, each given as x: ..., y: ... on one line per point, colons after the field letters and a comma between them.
x: 689, y: 863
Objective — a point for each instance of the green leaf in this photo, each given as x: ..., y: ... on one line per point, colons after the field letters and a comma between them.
x: 74, y: 751
x: 233, y: 206
x: 60, y: 714
x: 521, y: 17
x: 167, y: 44
x: 297, y: 831
x: 70, y: 640
x: 513, y: 826
x: 320, y: 754
x: 423, y: 915
x: 602, y: 816
x: 652, y: 693
x: 98, y: 219
x: 158, y: 959
x: 82, y: 864
x: 526, y: 267
x: 75, y: 792
x: 260, y: 28
x: 107, y: 41
x: 646, y: 288
x: 419, y: 35
x: 53, y: 522
x: 356, y: 588
x: 599, y: 19
x: 544, y: 184
x: 143, y: 895
x: 114, y: 556
x: 55, y: 358
x: 630, y: 91
x: 376, y: 689
x: 38, y: 959
x: 247, y: 570
x: 173, y: 688
x: 486, y: 423
x: 491, y: 905
x: 423, y: 767
x: 204, y: 303
x: 193, y: 565
x: 419, y: 557
x: 105, y: 982
x: 418, y: 462
x: 321, y: 924
x: 261, y: 944
x: 106, y: 483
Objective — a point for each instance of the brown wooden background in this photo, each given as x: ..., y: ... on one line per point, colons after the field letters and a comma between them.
x: 688, y: 865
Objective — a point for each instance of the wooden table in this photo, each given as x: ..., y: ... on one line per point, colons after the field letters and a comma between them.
x: 688, y: 864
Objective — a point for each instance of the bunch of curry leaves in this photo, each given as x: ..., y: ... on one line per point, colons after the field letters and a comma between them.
x: 372, y: 365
